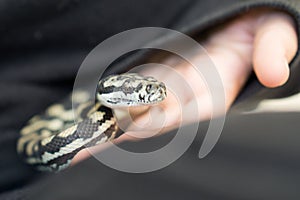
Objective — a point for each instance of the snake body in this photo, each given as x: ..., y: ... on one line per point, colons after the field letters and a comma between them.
x: 50, y: 141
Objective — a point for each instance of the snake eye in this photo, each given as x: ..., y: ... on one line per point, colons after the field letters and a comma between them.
x: 148, y: 88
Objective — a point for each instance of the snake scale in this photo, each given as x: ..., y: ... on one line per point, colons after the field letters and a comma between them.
x: 50, y: 141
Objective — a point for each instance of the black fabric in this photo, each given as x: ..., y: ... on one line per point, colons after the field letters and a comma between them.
x: 42, y: 46
x: 255, y: 158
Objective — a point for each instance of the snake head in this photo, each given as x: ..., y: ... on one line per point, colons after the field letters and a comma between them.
x: 130, y: 89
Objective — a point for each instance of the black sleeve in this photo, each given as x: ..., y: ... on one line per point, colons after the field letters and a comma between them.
x: 42, y: 46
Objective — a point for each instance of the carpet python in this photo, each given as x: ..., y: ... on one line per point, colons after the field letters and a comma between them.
x: 50, y: 141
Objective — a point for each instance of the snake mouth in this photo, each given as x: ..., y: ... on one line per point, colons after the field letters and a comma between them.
x: 122, y: 102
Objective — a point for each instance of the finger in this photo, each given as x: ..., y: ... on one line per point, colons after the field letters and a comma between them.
x: 157, y: 117
x: 275, y: 45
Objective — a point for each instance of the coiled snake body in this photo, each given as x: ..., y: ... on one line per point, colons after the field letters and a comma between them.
x: 50, y: 141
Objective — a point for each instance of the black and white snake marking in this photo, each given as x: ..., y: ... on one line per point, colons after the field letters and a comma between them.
x: 50, y: 141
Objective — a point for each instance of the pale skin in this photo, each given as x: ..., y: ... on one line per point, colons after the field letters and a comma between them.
x: 263, y: 40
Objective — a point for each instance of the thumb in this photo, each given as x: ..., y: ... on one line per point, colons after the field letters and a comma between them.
x: 275, y: 45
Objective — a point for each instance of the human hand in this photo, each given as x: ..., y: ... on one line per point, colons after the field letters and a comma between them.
x: 263, y: 40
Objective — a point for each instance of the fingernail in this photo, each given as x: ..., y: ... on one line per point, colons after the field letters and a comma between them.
x: 285, y: 73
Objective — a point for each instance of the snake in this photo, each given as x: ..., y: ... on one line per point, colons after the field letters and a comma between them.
x: 50, y: 140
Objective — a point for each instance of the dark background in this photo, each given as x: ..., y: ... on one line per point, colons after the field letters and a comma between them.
x: 42, y: 46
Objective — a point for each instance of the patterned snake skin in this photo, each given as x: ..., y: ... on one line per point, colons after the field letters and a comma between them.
x: 50, y: 141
